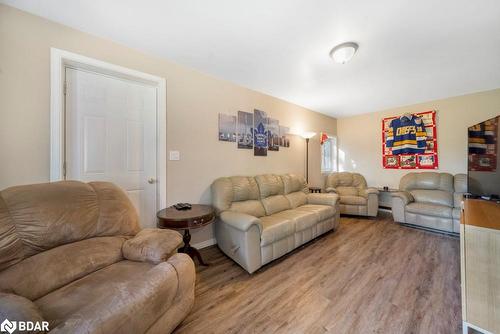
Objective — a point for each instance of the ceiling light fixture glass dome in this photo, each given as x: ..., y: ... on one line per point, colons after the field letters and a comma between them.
x: 344, y: 52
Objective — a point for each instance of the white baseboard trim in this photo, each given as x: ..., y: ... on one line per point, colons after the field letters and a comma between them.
x: 205, y: 243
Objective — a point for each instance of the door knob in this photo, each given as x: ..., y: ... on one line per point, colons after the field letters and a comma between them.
x: 151, y: 180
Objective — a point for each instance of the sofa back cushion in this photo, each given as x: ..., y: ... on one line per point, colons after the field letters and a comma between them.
x: 346, y: 183
x: 272, y: 191
x: 439, y: 197
x: 45, y: 272
x: 36, y: 218
x: 237, y: 193
x: 427, y: 181
x: 295, y: 189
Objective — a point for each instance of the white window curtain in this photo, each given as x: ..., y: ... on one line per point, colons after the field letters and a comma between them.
x: 329, y: 155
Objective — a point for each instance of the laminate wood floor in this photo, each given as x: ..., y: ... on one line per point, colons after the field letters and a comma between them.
x: 370, y: 276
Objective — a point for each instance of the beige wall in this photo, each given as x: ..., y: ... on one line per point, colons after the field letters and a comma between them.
x: 360, y: 147
x: 193, y: 103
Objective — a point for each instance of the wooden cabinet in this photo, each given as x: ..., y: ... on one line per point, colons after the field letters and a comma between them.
x: 480, y: 265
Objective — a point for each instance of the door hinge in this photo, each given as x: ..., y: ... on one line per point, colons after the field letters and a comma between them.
x: 65, y: 87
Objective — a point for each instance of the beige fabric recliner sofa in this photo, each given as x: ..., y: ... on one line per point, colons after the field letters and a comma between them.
x: 430, y: 200
x: 355, y: 197
x: 262, y: 218
x: 73, y: 254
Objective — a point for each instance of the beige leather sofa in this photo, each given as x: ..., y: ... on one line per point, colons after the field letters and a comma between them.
x: 264, y: 217
x: 430, y: 200
x: 72, y: 254
x: 355, y: 197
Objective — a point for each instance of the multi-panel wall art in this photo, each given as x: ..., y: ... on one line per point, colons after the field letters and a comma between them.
x: 254, y: 131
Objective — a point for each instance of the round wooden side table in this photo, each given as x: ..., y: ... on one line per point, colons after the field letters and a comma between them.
x: 199, y: 215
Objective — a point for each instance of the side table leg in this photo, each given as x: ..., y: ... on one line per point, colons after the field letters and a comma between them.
x: 189, y: 250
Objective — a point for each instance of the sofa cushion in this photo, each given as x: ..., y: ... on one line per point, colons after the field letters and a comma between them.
x: 294, y: 183
x: 296, y: 199
x: 428, y: 181
x: 269, y: 185
x: 352, y: 200
x: 347, y: 191
x: 429, y: 209
x: 237, y: 193
x: 301, y: 218
x: 244, y: 188
x: 126, y: 297
x: 439, y: 197
x: 276, y: 203
x: 322, y: 211
x: 47, y: 271
x: 250, y: 207
x: 275, y: 228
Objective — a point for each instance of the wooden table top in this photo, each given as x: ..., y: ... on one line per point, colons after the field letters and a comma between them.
x: 199, y: 215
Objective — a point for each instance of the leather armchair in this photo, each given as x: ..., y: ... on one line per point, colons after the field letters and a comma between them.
x: 73, y: 254
x: 430, y: 200
x: 264, y: 217
x: 355, y: 197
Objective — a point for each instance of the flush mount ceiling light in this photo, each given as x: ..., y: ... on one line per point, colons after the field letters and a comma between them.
x: 342, y: 53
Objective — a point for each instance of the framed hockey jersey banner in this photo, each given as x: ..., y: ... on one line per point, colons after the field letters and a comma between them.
x: 409, y: 141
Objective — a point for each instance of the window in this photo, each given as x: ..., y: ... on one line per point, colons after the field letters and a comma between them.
x: 329, y: 155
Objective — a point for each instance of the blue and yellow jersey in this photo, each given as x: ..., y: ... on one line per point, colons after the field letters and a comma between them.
x: 480, y: 136
x: 406, y: 135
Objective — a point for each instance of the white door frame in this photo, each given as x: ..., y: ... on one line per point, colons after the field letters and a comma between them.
x: 59, y: 59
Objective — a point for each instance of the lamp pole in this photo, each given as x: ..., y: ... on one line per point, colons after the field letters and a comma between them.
x: 307, y: 160
x: 307, y: 136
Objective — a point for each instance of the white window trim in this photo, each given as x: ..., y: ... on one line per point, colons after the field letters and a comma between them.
x: 335, y: 159
x: 59, y: 59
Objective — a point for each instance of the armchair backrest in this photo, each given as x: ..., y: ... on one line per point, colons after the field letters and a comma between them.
x: 346, y: 183
x: 39, y: 217
x: 54, y: 233
x: 430, y: 187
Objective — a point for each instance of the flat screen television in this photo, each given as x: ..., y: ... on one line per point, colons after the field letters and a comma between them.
x: 483, y: 168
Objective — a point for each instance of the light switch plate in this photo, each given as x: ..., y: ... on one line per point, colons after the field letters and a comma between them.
x: 175, y: 155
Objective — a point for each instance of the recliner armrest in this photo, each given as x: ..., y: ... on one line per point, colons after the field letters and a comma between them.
x: 15, y: 307
x: 368, y: 191
x: 240, y: 221
x: 152, y: 245
x: 331, y: 190
x: 405, y: 196
x: 323, y: 199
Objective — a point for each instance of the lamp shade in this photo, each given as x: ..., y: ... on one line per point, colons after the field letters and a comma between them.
x: 308, y: 134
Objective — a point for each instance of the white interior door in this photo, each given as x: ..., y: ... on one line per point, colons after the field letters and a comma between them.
x: 111, y: 136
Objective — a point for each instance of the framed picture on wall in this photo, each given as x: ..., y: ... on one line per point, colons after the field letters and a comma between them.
x: 245, y: 130
x: 227, y: 128
x: 260, y: 138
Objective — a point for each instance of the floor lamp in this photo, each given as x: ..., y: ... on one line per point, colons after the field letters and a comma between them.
x: 307, y: 136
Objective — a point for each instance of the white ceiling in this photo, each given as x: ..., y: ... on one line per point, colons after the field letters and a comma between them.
x: 410, y: 51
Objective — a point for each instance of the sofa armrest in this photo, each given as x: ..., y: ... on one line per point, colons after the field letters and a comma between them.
x: 331, y: 190
x: 240, y: 221
x: 323, y: 199
x: 404, y: 196
x: 368, y: 191
x: 152, y: 245
x: 15, y: 307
